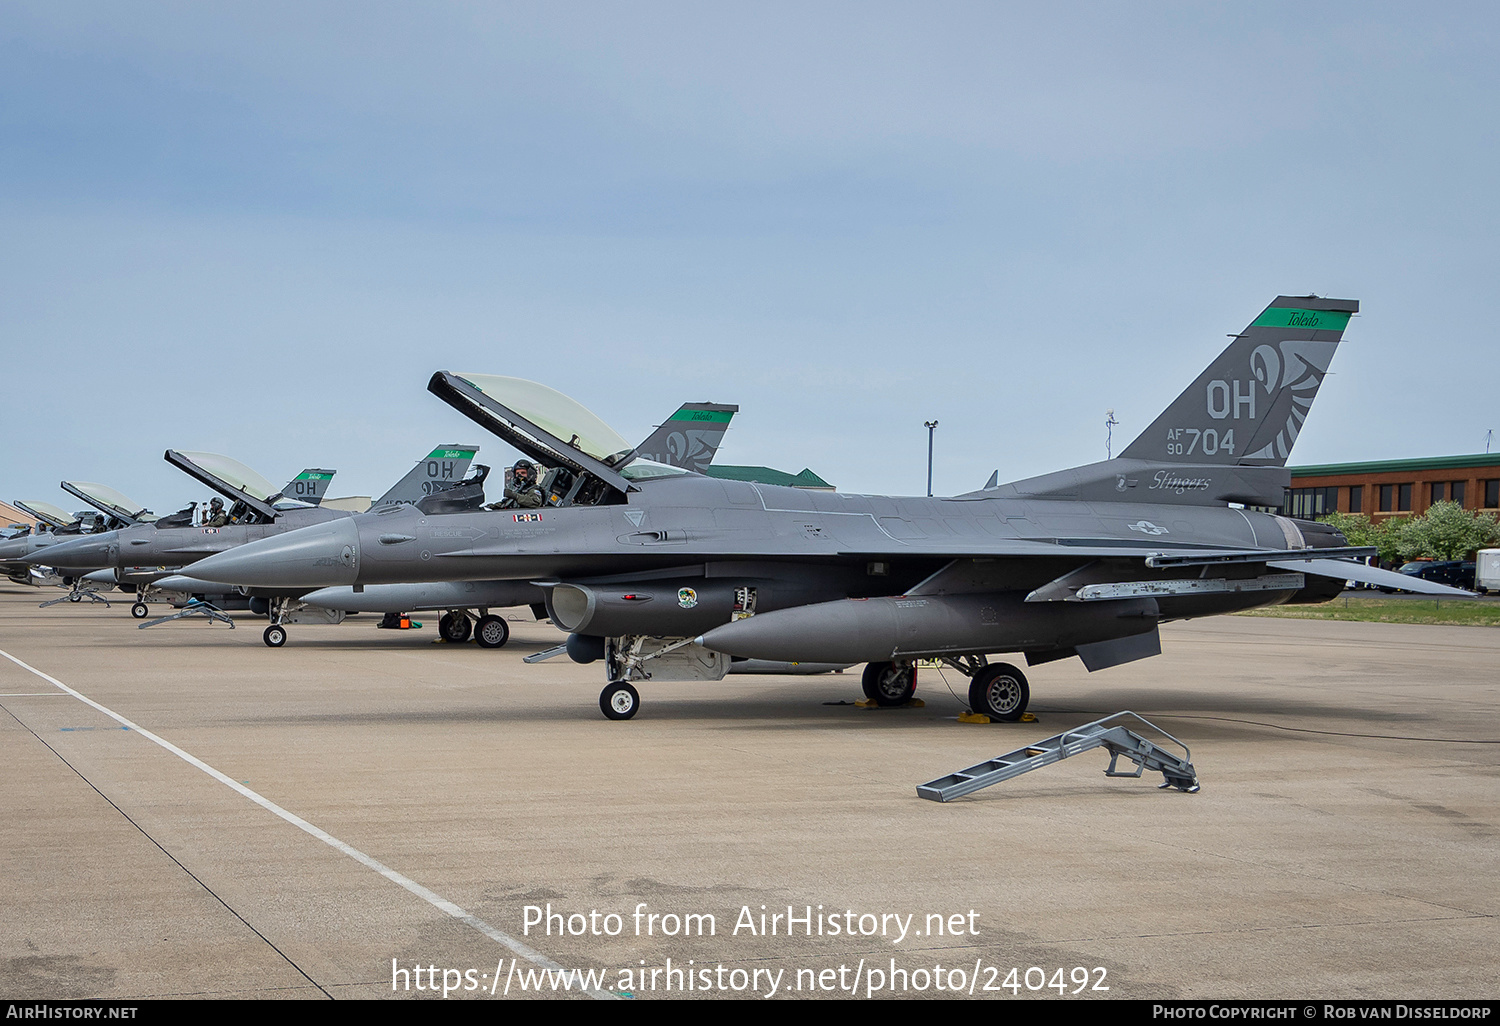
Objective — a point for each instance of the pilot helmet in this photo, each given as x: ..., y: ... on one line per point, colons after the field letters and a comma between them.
x: 217, y: 503
x: 523, y: 469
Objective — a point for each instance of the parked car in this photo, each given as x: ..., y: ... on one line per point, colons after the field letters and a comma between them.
x: 1455, y: 573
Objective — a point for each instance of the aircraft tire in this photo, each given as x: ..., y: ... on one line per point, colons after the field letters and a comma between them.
x: 275, y: 636
x: 455, y: 627
x: 1000, y: 692
x: 75, y: 597
x: 889, y: 684
x: 619, y: 701
x: 491, y: 632
x: 140, y: 611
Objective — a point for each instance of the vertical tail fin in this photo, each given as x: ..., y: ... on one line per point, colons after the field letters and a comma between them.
x: 1247, y: 408
x: 690, y: 437
x: 309, y: 486
x: 442, y: 468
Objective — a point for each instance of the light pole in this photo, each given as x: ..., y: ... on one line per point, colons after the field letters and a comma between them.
x: 931, y: 426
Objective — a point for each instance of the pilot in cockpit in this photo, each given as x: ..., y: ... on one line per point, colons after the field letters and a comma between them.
x: 523, y: 491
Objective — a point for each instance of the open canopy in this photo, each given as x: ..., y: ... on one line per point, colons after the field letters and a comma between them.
x: 52, y: 516
x: 229, y: 477
x: 108, y: 501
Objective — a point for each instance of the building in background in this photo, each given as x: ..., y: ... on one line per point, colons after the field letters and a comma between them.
x: 1387, y: 488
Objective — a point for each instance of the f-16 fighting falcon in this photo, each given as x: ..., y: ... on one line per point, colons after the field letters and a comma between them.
x: 666, y: 575
x: 52, y: 526
x: 147, y: 552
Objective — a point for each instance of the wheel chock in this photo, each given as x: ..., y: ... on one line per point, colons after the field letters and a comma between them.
x: 974, y: 717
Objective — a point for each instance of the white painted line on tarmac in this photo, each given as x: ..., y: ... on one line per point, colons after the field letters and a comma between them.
x: 432, y: 898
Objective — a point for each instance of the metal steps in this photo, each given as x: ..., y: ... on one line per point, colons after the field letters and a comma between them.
x: 193, y: 608
x: 1105, y: 733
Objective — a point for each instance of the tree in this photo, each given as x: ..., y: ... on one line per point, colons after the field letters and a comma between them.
x: 1445, y: 531
x: 1448, y: 531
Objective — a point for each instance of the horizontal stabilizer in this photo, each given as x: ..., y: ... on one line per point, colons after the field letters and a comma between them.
x: 1339, y: 568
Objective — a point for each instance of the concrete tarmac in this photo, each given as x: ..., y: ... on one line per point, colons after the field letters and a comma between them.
x: 366, y: 814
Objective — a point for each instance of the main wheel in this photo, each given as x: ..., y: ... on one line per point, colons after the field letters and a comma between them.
x: 139, y: 611
x: 888, y: 684
x: 619, y: 701
x: 455, y: 626
x: 491, y: 631
x: 275, y: 635
x: 1000, y: 692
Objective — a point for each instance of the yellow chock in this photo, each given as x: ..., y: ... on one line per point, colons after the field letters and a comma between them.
x: 870, y: 703
x: 974, y: 717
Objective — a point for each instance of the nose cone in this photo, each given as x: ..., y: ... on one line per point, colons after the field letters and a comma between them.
x: 312, y: 557
x: 89, y: 552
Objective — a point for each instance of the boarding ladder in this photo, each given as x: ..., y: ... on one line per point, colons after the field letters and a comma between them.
x: 77, y: 594
x: 194, y: 607
x: 1105, y: 733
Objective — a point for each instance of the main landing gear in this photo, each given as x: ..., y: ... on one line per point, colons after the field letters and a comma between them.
x: 491, y: 631
x: 455, y: 626
x: 890, y: 684
x: 1000, y: 692
x: 997, y: 690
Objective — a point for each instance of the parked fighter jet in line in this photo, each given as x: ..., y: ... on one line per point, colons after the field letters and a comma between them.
x: 689, y: 439
x: 665, y: 575
x: 145, y: 553
x: 51, y: 525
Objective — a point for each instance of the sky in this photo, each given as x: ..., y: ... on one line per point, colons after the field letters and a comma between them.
x: 259, y: 228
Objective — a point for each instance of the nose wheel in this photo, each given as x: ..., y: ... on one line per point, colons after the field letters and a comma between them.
x: 275, y: 635
x: 140, y: 611
x: 619, y: 701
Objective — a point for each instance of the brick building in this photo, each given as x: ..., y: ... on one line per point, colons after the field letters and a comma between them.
x: 1394, y: 487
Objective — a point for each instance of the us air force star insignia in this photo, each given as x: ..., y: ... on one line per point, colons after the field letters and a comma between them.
x: 1147, y: 527
x: 635, y: 516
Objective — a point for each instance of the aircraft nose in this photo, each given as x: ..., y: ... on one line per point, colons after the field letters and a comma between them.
x: 311, y: 557
x: 87, y: 553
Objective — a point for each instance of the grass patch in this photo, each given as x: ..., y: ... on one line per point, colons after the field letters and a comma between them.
x: 1452, y: 612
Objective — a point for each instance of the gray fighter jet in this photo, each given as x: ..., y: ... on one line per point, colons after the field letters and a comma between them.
x: 666, y: 575
x: 51, y: 526
x: 689, y: 439
x: 144, y: 553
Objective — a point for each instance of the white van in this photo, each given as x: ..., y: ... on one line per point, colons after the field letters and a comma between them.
x: 1487, y: 571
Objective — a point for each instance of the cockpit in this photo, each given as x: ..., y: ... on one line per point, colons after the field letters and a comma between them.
x: 582, y: 461
x: 252, y: 499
